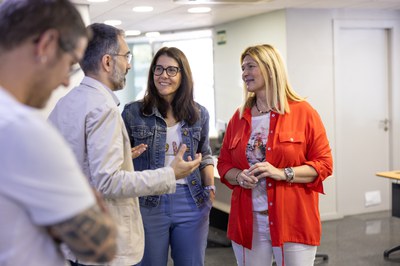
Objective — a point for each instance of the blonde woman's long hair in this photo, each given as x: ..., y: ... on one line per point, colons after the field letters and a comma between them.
x: 277, y: 87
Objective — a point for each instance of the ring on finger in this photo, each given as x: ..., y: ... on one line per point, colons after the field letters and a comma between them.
x: 241, y: 183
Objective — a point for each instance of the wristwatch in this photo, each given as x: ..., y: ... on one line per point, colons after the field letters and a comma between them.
x: 212, y: 187
x: 289, y: 174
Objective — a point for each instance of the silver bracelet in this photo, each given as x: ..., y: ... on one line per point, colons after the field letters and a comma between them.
x: 236, y: 178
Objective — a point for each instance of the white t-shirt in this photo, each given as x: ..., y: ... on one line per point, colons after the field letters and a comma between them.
x: 173, y: 142
x: 255, y: 153
x: 41, y: 185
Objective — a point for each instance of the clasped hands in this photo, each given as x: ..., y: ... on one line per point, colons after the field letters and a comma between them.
x: 249, y: 178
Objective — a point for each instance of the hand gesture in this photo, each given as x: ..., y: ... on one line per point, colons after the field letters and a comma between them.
x: 183, y: 168
x: 138, y: 150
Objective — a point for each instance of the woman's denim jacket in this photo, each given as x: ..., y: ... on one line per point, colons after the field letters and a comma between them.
x: 152, y: 130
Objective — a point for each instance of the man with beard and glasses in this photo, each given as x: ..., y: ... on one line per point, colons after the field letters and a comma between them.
x: 89, y: 119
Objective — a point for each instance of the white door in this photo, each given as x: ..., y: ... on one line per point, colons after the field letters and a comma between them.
x: 362, y: 111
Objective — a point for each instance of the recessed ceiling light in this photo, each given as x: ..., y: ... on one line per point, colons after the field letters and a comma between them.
x: 152, y: 34
x: 142, y: 9
x: 113, y: 22
x: 132, y: 32
x: 97, y: 1
x: 199, y: 10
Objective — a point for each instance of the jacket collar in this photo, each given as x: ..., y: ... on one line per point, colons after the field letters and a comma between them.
x: 94, y: 83
x: 155, y: 112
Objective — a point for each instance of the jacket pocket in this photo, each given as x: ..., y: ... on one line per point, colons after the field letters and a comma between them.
x: 291, y: 137
x: 291, y: 146
x: 141, y: 133
x: 124, y: 214
x: 196, y: 133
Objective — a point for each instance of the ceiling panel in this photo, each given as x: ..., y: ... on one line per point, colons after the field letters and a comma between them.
x: 169, y: 15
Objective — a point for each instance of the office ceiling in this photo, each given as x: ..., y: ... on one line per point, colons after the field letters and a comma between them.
x: 172, y: 15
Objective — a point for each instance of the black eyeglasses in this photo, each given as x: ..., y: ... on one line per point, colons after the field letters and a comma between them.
x: 128, y: 56
x: 171, y: 71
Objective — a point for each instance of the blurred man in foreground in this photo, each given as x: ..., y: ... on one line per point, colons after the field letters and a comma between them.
x: 44, y: 197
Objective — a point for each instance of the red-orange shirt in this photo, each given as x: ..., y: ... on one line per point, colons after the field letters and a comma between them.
x: 294, y: 139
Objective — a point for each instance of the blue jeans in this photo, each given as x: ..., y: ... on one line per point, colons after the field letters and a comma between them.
x: 179, y: 223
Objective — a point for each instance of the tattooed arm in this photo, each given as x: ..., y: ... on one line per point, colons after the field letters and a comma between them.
x: 90, y: 235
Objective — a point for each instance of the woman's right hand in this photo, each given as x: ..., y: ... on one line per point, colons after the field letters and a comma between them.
x: 265, y: 169
x: 246, y: 179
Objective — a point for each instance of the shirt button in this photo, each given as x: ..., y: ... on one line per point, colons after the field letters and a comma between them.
x: 269, y: 184
x: 271, y: 223
x: 291, y: 139
x: 269, y: 148
x: 185, y: 132
x: 273, y: 115
x: 193, y: 182
x: 272, y: 131
x: 270, y: 204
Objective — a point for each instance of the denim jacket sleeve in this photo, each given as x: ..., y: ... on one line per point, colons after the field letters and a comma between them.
x: 204, y: 143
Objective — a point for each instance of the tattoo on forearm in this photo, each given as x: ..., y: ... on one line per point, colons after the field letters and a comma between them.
x: 91, y: 235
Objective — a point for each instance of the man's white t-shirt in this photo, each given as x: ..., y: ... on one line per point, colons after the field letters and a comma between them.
x: 41, y: 185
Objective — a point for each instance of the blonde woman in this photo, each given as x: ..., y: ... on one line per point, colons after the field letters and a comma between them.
x: 274, y: 206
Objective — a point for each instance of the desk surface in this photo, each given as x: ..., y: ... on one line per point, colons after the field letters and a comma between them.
x: 395, y: 206
x: 390, y: 174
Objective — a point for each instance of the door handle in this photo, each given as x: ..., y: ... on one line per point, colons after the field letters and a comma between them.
x: 385, y: 124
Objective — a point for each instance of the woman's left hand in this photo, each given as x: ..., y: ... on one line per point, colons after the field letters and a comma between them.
x: 246, y: 179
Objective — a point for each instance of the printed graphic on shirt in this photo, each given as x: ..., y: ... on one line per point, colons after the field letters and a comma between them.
x: 173, y: 151
x: 255, y: 150
x: 172, y: 143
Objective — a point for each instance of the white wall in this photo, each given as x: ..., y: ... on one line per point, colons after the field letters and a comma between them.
x: 310, y: 67
x: 305, y: 39
x: 310, y: 62
x: 266, y: 28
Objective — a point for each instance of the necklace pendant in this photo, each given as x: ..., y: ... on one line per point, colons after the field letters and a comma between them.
x: 261, y: 112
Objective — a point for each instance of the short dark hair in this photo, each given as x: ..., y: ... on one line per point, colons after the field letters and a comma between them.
x: 24, y: 19
x: 183, y: 104
x: 104, y: 41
